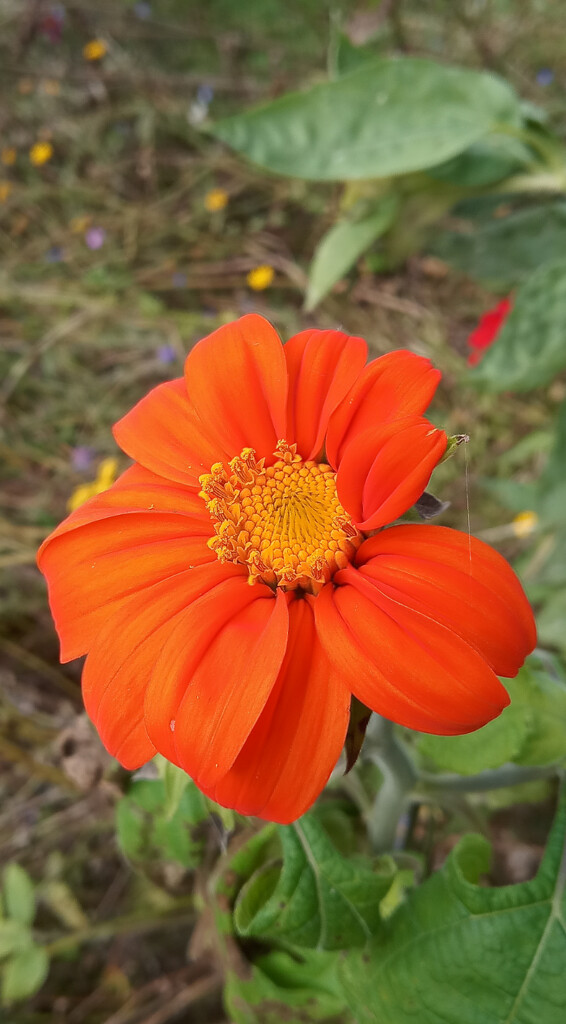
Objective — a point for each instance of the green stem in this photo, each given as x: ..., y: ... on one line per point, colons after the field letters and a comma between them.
x: 399, y: 777
x: 499, y: 778
x: 118, y: 926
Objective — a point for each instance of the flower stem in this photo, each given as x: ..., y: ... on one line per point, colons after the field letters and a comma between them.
x: 499, y: 778
x: 399, y: 777
x: 122, y: 925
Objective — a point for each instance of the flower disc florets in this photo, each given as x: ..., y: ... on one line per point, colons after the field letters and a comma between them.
x: 284, y: 522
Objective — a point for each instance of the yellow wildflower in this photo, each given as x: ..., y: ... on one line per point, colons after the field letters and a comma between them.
x: 260, y: 277
x: 216, y: 199
x: 26, y: 86
x: 78, y: 225
x: 95, y: 50
x: 40, y: 153
x: 524, y: 524
x: 104, y: 479
x: 5, y: 190
x: 8, y: 156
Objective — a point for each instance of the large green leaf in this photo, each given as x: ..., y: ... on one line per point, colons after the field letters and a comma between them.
x: 345, y: 57
x: 343, y: 245
x: 541, y: 690
x: 488, y: 161
x: 498, y: 742
x: 460, y: 953
x: 503, y: 250
x: 531, y: 731
x: 531, y: 347
x: 316, y: 897
x: 386, y: 118
x: 299, y: 988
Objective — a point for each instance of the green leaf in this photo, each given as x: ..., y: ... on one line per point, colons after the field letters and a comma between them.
x: 343, y: 245
x: 14, y: 937
x: 24, y: 974
x: 315, y: 898
x: 543, y: 695
x: 550, y: 621
x: 531, y: 731
x: 555, y: 469
x: 503, y: 250
x: 19, y: 894
x: 175, y: 781
x: 514, y: 494
x: 495, y: 744
x: 484, y: 163
x: 459, y: 953
x: 531, y: 347
x: 390, y: 117
x: 145, y: 832
x: 62, y: 902
x: 347, y: 57
x: 288, y: 987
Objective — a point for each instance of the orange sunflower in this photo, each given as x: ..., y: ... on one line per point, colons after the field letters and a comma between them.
x: 237, y: 584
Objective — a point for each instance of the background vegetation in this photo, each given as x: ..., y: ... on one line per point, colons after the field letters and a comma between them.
x: 115, y: 259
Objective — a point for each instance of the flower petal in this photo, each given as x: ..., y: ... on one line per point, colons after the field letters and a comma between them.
x: 403, y: 664
x: 387, y: 469
x: 458, y: 581
x: 124, y: 653
x: 237, y: 384
x: 296, y: 742
x: 322, y: 367
x: 109, y: 549
x: 164, y: 433
x: 489, y: 326
x: 215, y: 675
x: 393, y: 386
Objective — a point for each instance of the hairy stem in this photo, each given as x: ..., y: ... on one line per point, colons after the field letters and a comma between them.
x: 399, y: 777
x: 499, y: 778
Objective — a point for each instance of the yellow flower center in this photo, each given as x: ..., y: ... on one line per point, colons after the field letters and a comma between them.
x: 284, y: 522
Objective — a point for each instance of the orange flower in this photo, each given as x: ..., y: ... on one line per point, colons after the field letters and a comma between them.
x: 230, y: 588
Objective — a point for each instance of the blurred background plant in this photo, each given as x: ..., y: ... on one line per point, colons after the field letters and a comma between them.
x: 129, y: 229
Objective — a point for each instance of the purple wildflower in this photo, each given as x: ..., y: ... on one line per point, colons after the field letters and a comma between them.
x: 81, y: 458
x: 55, y: 254
x: 95, y: 238
x: 545, y: 76
x: 205, y: 95
x: 142, y: 10
x: 166, y: 354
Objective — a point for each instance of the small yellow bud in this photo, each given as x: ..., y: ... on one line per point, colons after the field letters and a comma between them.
x: 524, y: 524
x: 40, y: 153
x: 216, y: 199
x: 78, y: 225
x: 95, y: 50
x: 260, y: 277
